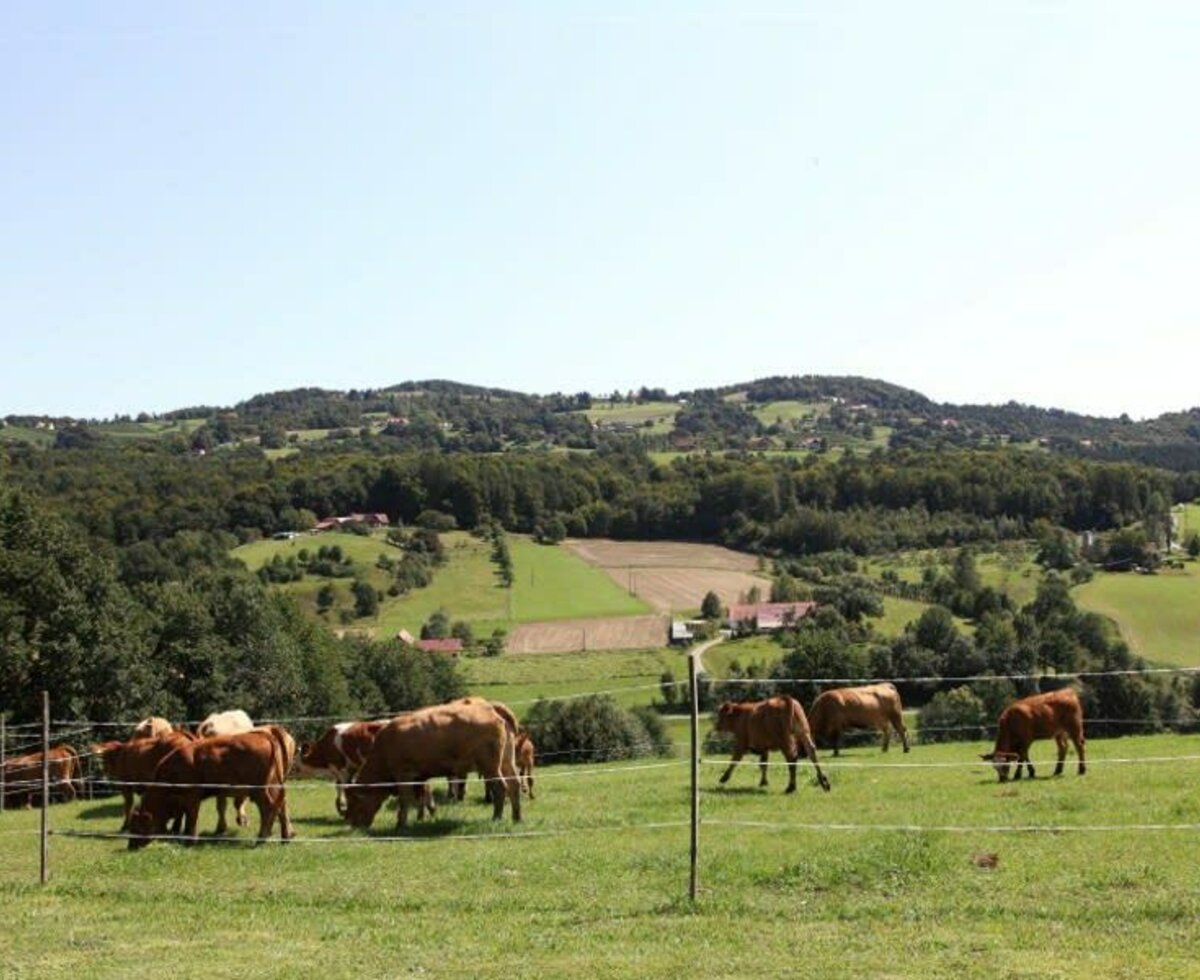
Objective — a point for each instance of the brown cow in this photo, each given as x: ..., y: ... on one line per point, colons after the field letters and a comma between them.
x: 762, y: 727
x: 250, y: 763
x: 457, y: 785
x: 131, y: 764
x: 23, y: 775
x: 444, y: 740
x: 340, y: 752
x: 873, y: 706
x: 1056, y: 715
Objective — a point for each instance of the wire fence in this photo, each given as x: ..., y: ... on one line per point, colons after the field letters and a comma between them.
x: 22, y: 743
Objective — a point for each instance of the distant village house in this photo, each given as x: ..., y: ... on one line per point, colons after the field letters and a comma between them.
x: 768, y: 617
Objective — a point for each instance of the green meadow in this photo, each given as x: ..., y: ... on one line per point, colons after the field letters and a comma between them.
x: 1158, y: 615
x: 789, y: 885
x: 550, y: 583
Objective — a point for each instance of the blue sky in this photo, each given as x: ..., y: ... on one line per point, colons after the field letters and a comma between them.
x: 983, y: 201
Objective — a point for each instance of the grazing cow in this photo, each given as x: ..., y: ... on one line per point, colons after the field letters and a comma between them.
x: 443, y: 740
x: 762, y: 727
x: 340, y: 752
x: 23, y: 775
x: 132, y: 764
x: 247, y: 763
x: 874, y: 706
x: 1056, y: 715
x: 152, y: 727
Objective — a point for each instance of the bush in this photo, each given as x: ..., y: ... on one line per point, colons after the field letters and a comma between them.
x: 436, y: 520
x: 952, y: 716
x: 594, y: 729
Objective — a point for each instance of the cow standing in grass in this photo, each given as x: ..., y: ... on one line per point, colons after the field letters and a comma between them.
x: 1057, y: 715
x: 444, y: 740
x: 761, y: 727
x: 874, y: 706
x: 132, y: 764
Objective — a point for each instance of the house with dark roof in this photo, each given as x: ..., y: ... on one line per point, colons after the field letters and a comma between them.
x: 768, y: 617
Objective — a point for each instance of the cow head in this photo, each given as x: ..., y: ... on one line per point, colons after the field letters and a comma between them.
x: 1002, y: 761
x: 142, y: 828
x: 725, y: 715
x: 362, y: 803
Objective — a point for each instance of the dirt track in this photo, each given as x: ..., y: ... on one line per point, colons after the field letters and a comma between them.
x: 612, y: 633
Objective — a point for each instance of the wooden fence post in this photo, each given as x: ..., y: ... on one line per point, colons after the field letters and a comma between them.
x: 695, y: 852
x: 45, y: 827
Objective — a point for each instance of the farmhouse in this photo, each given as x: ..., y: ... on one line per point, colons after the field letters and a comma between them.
x: 767, y: 617
x: 453, y: 647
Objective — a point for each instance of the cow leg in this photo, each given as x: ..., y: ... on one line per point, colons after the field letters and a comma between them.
x: 222, y: 825
x: 191, y: 823
x: 1060, y: 740
x: 792, y: 755
x: 239, y: 807
x: 837, y: 742
x: 1029, y: 765
x: 513, y: 785
x: 737, y: 757
x: 762, y: 767
x: 402, y: 796
x: 266, y: 813
x: 810, y: 749
x: 286, y: 830
x: 887, y: 736
x: 898, y: 724
x: 127, y: 795
x: 1080, y: 742
x: 529, y: 782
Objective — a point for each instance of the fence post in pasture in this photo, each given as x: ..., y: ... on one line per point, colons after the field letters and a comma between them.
x: 695, y: 852
x: 45, y: 826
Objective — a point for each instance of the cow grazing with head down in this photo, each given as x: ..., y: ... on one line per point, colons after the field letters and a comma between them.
x: 23, y: 775
x: 761, y: 727
x: 443, y: 740
x: 1057, y: 715
x: 340, y: 752
x: 132, y: 764
x: 251, y: 763
x: 874, y: 706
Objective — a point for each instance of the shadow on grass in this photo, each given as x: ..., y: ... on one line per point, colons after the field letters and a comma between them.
x: 103, y: 811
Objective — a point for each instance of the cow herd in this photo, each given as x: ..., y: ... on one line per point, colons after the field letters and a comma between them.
x: 779, y: 724
x: 175, y: 769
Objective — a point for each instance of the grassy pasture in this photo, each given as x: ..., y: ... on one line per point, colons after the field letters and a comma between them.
x: 604, y: 894
x: 1157, y: 615
x: 661, y: 415
x: 550, y: 583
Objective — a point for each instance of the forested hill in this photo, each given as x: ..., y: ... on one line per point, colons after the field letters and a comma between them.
x: 809, y: 414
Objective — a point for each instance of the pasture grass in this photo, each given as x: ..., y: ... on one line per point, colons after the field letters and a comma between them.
x: 1157, y: 615
x: 604, y: 894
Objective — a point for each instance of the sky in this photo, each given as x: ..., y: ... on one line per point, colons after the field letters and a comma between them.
x: 983, y: 201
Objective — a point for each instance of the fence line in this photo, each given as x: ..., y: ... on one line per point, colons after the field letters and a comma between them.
x: 828, y: 763
x: 375, y: 838
x: 938, y: 679
x: 959, y: 828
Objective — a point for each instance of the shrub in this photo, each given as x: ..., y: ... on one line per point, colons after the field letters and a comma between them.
x: 436, y: 520
x: 593, y: 729
x: 952, y: 716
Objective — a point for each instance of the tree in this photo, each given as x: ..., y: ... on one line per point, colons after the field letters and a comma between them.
x: 1191, y: 544
x: 326, y: 597
x: 437, y: 626
x: 366, y: 599
x: 710, y: 607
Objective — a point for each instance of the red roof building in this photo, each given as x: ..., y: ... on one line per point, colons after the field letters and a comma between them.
x: 764, y: 617
x: 451, y: 647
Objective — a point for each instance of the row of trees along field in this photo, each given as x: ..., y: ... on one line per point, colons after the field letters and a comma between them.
x: 874, y: 503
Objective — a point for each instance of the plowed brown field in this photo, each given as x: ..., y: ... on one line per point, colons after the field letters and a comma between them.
x: 673, y: 576
x: 610, y: 633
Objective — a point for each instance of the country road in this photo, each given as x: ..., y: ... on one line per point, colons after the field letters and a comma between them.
x: 701, y: 649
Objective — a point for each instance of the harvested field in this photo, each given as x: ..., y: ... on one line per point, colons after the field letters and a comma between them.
x: 611, y: 633
x: 673, y: 576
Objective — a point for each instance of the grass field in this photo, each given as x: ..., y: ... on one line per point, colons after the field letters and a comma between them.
x: 550, y: 583
x: 603, y: 894
x: 1158, y: 615
x: 660, y: 415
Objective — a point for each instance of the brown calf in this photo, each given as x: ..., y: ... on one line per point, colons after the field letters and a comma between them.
x: 133, y: 763
x: 761, y: 727
x: 1056, y: 715
x: 23, y: 775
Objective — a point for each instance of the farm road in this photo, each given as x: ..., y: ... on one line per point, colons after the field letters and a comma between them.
x: 702, y: 649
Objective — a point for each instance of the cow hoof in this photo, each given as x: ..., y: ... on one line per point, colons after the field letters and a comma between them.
x: 790, y: 789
